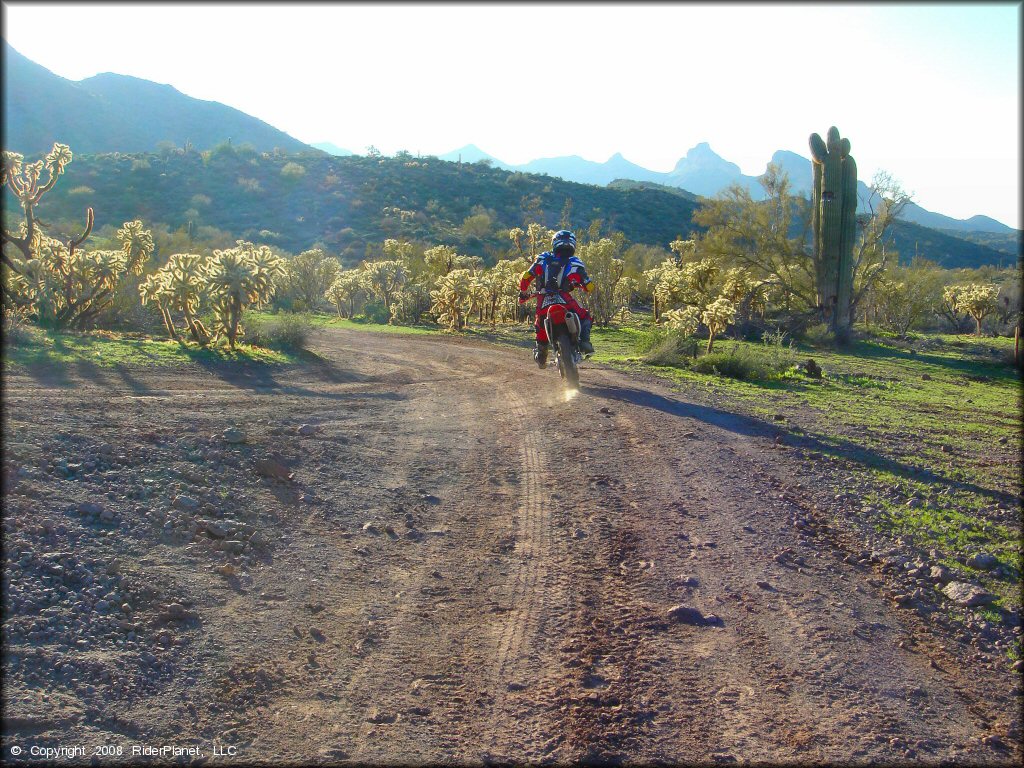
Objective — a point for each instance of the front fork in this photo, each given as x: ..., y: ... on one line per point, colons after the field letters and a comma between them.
x: 573, y: 325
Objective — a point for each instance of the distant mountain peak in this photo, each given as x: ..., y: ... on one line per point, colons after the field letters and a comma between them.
x: 702, y: 151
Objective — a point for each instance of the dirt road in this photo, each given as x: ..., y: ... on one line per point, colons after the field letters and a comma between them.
x: 465, y: 566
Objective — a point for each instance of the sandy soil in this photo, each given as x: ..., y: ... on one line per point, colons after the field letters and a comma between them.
x: 419, y: 550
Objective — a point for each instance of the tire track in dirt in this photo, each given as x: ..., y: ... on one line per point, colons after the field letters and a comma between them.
x: 535, y: 593
x: 615, y: 706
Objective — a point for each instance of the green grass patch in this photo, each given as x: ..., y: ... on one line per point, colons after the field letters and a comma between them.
x: 106, y: 349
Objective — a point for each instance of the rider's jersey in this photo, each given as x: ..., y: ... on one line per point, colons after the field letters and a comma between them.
x: 552, y: 273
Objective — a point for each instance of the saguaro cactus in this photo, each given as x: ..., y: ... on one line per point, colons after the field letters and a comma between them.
x: 834, y: 223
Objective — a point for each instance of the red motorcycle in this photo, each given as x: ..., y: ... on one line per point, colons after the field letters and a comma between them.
x: 562, y: 326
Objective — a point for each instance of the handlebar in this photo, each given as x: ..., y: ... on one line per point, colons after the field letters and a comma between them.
x: 542, y: 292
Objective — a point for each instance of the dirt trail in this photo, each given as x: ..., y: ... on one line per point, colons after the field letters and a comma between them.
x: 468, y: 567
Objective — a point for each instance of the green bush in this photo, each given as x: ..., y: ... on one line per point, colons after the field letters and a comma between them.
x: 374, y: 312
x: 747, y: 363
x: 286, y: 331
x: 779, y: 353
x: 818, y: 336
x: 649, y: 338
x: 17, y: 332
x: 671, y: 349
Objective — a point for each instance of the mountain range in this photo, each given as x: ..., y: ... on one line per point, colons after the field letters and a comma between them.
x: 128, y: 114
x: 703, y: 172
x: 117, y: 113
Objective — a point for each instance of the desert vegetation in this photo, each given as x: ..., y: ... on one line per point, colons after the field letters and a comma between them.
x: 745, y: 268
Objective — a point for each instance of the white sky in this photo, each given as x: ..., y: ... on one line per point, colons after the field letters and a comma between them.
x: 929, y: 93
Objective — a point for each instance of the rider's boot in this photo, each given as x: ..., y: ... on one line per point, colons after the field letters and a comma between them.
x: 540, y: 354
x: 585, y: 344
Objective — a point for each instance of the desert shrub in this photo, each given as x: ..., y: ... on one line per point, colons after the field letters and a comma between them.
x: 672, y: 349
x: 375, y: 312
x: 778, y: 351
x: 738, y: 363
x: 288, y: 330
x: 747, y: 363
x: 650, y: 338
x: 17, y: 332
x: 818, y: 336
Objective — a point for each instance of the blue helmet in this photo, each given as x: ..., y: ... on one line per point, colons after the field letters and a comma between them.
x: 563, y: 241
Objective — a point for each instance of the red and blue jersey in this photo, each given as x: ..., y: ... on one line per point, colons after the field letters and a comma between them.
x: 553, y: 273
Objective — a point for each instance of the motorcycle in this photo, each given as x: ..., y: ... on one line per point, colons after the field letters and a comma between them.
x: 562, y: 326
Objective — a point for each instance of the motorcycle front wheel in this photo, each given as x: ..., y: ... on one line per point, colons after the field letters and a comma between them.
x: 566, y: 361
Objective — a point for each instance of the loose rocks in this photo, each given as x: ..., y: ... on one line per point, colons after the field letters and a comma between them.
x: 983, y: 561
x: 185, y: 503
x: 684, y: 614
x: 273, y: 469
x: 969, y: 595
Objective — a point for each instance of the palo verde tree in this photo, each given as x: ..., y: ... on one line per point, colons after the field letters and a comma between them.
x: 55, y: 282
x: 772, y: 238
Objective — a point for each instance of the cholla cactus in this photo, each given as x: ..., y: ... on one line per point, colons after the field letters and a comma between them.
x: 539, y: 238
x: 451, y: 298
x: 310, y: 275
x: 977, y: 300
x: 737, y: 284
x: 652, y: 279
x: 670, y: 287
x: 345, y: 289
x: 505, y: 287
x: 237, y: 278
x: 406, y: 304
x: 516, y: 236
x: 684, y: 320
x: 717, y: 317
x: 684, y: 250
x: 698, y: 279
x: 625, y: 290
x: 442, y: 259
x: 605, y: 265
x: 53, y: 281
x: 154, y: 289
x: 383, y: 279
x: 179, y: 286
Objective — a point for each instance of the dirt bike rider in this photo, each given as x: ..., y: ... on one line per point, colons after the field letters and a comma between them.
x: 558, y: 270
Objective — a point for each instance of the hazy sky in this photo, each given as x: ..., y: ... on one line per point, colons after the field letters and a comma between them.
x: 929, y: 93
